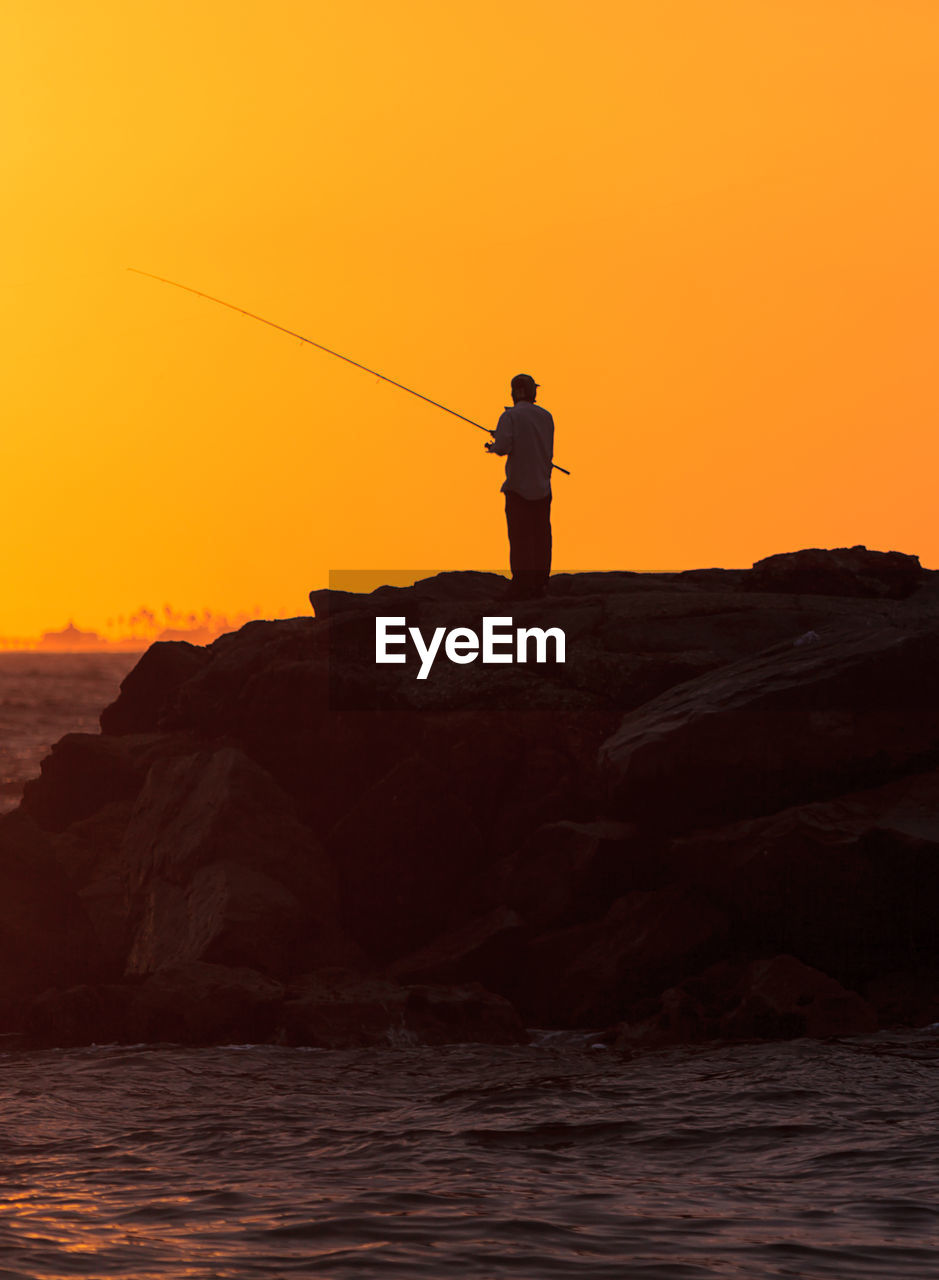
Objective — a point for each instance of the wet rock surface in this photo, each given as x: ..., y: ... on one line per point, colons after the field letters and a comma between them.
x: 719, y: 817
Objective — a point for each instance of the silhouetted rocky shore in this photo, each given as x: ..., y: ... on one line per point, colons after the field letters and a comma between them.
x: 718, y: 818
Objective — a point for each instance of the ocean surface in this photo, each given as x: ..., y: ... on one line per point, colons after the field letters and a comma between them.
x: 802, y: 1159
x: 561, y: 1159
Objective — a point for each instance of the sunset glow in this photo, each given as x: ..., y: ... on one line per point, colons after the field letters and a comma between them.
x: 708, y: 230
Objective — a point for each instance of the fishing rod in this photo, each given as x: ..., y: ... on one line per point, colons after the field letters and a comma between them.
x: 319, y: 346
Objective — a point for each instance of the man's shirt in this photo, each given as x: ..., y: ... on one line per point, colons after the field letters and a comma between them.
x: 525, y: 436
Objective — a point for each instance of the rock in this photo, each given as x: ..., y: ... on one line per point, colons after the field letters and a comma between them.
x: 213, y: 703
x: 689, y: 1012
x: 843, y: 571
x: 570, y: 872
x: 609, y: 582
x: 680, y: 1019
x: 90, y: 854
x: 769, y: 790
x: 590, y: 975
x: 624, y: 680
x: 703, y: 629
x: 266, y: 688
x: 219, y: 869
x: 86, y: 771
x: 467, y: 1014
x: 769, y: 998
x: 486, y: 950
x: 86, y: 1014
x: 714, y: 579
x: 788, y: 726
x: 226, y: 914
x: 458, y: 585
x: 202, y: 1004
x: 199, y: 1003
x: 848, y: 885
x: 147, y: 690
x: 403, y: 854
x: 906, y: 998
x: 195, y: 1003
x: 536, y: 769
x: 786, y: 998
x: 338, y: 1011
x: 45, y: 936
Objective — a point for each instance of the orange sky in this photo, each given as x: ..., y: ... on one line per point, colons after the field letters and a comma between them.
x: 708, y: 229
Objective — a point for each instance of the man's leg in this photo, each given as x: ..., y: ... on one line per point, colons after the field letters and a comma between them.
x: 529, y: 526
x: 520, y: 519
x: 542, y: 548
x: 513, y: 524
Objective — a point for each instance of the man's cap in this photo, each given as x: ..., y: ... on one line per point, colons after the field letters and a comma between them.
x: 524, y: 384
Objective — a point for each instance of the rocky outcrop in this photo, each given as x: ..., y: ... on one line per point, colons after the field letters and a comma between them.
x: 792, y: 723
x: 849, y: 885
x: 846, y: 571
x: 201, y: 1003
x: 87, y: 771
x: 718, y: 817
x: 589, y: 974
x: 774, y: 998
x: 488, y: 948
x: 569, y: 871
x: 148, y: 691
x: 45, y: 935
x: 196, y: 1003
x: 331, y: 1011
x: 219, y: 869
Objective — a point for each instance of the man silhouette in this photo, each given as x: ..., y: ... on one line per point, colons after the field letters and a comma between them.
x: 524, y: 436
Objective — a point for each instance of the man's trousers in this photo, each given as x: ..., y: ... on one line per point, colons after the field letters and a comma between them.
x: 529, y: 525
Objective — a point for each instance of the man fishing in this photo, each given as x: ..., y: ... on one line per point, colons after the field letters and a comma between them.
x: 524, y: 436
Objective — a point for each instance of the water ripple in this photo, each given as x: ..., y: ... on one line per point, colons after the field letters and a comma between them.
x: 805, y: 1160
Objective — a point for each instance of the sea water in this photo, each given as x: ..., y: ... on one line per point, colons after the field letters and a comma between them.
x: 559, y: 1159
x: 562, y: 1158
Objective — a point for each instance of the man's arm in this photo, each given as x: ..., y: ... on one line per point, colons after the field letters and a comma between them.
x: 503, y: 437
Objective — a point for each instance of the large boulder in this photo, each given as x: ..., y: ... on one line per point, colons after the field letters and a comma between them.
x: 569, y: 872
x: 86, y: 771
x: 90, y: 854
x: 848, y: 885
x: 194, y: 1003
x: 148, y: 690
x: 796, y: 723
x: 770, y: 997
x: 784, y: 997
x: 403, y: 854
x: 67, y: 1016
x: 266, y: 688
x: 202, y: 1003
x: 219, y: 869
x: 335, y: 1010
x: 46, y: 937
x: 843, y: 571
x: 485, y: 949
x: 906, y: 997
x: 592, y: 974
